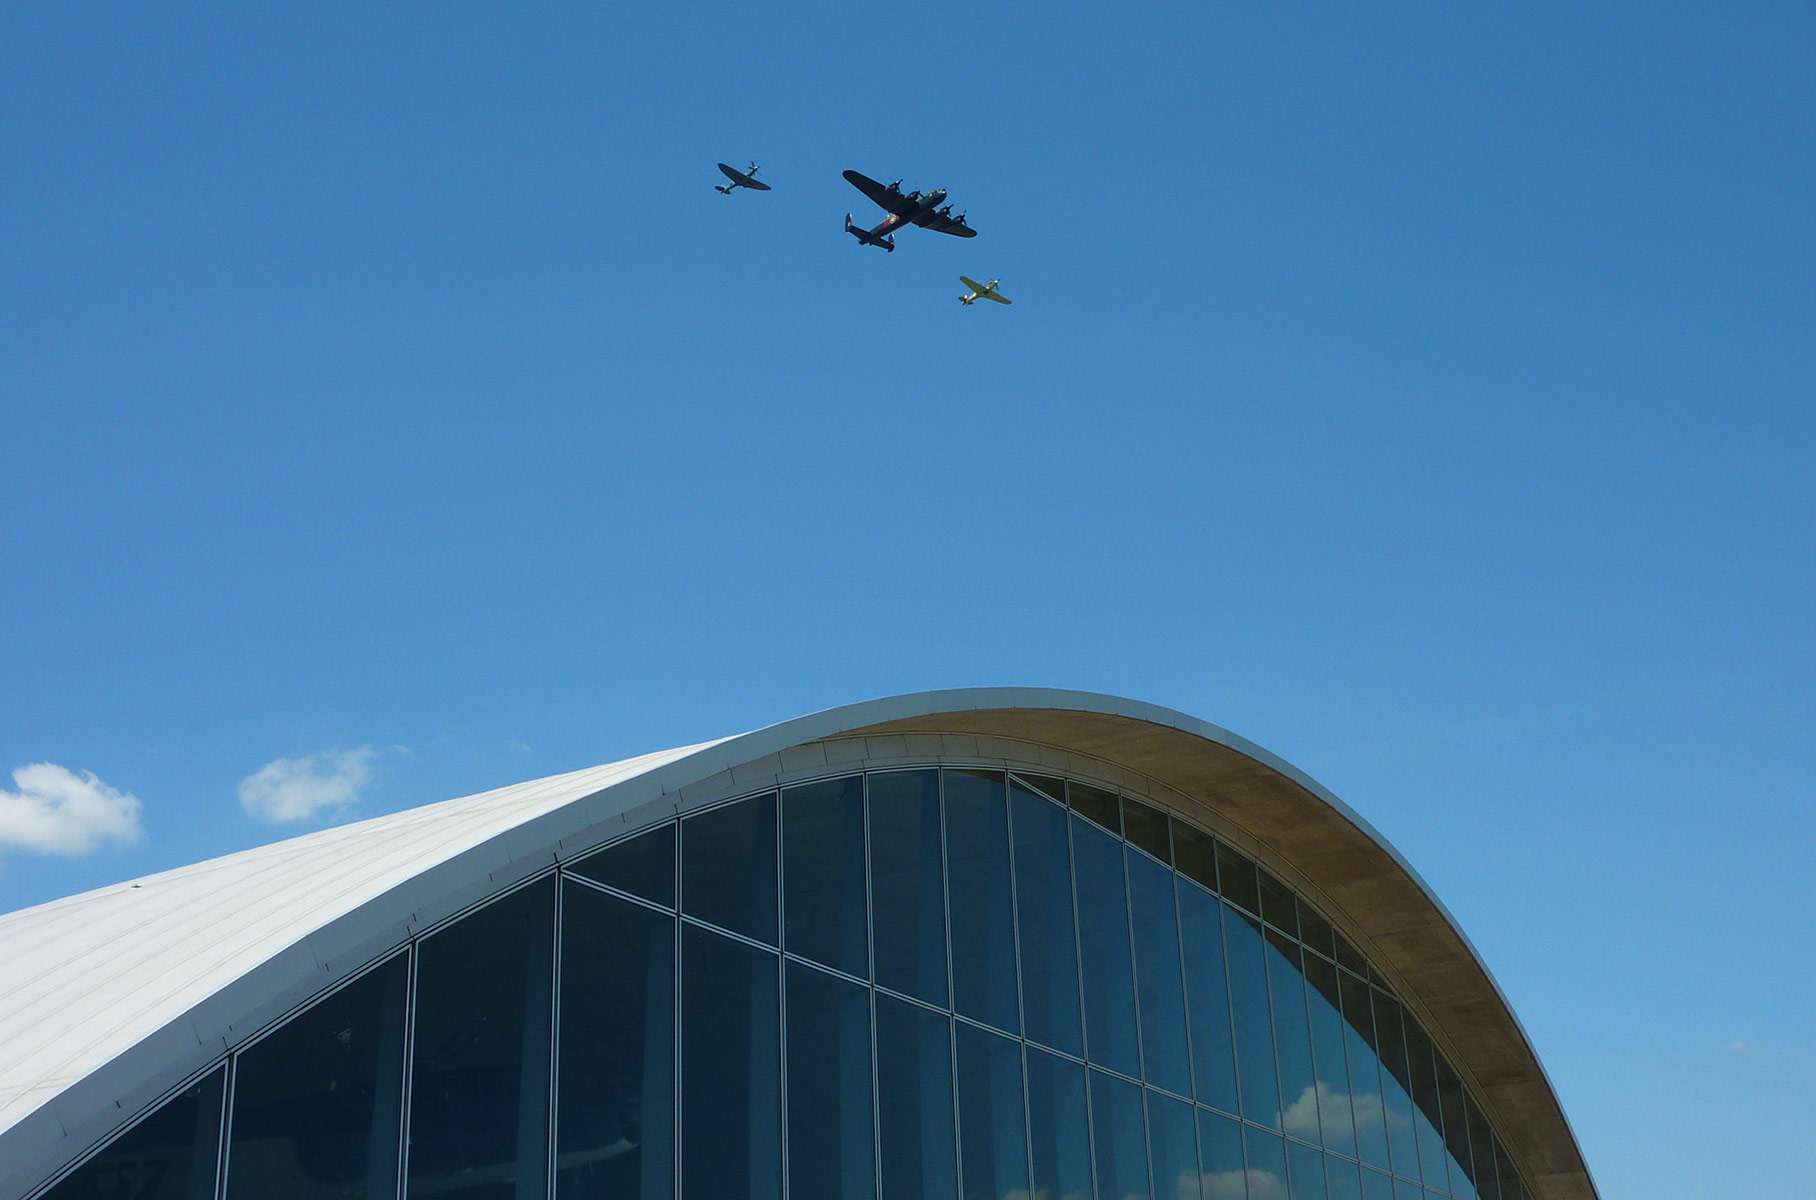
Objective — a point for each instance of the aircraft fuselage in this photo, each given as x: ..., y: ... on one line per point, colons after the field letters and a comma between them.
x: 880, y: 234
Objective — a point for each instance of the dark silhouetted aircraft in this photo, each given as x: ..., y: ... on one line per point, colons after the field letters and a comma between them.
x: 910, y: 209
x: 981, y: 291
x: 740, y: 179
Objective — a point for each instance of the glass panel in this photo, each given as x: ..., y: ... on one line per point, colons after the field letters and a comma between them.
x: 1403, y: 1190
x: 1059, y: 1128
x: 479, y: 1094
x: 1220, y: 1146
x: 1342, y: 1178
x: 316, y: 1105
x: 1349, y: 956
x: 1396, y: 1098
x: 1043, y: 907
x: 1160, y: 987
x: 831, y: 1148
x: 1249, y: 1010
x: 1481, y: 1143
x: 1146, y: 828
x: 907, y: 883
x: 1305, y: 1169
x: 615, y: 1135
x: 1173, y: 1148
x: 1427, y: 1115
x: 914, y: 1102
x: 992, y: 1138
x: 1207, y: 997
x: 1267, y: 1164
x: 1329, y: 1056
x: 1236, y: 878
x: 823, y: 873
x: 1096, y: 805
x: 1117, y: 1136
x: 1364, y: 1071
x: 1047, y: 785
x: 728, y: 867
x: 977, y: 882
x: 1507, y: 1178
x: 1316, y: 932
x: 643, y: 866
x: 1103, y: 939
x: 1195, y: 854
x: 1277, y: 905
x: 1456, y: 1130
x: 169, y: 1155
x: 1376, y: 1186
x: 731, y: 1136
x: 1292, y: 1040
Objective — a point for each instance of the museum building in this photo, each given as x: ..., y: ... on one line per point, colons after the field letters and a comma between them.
x: 989, y: 944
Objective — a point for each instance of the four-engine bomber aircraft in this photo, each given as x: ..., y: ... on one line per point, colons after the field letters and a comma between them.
x: 981, y: 291
x: 740, y: 179
x: 911, y: 208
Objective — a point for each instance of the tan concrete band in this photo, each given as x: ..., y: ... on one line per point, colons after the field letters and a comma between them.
x: 1377, y: 899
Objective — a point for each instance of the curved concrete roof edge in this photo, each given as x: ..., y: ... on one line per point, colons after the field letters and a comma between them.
x: 670, y: 773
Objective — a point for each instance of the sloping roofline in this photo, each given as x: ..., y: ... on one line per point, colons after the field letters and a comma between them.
x: 127, y: 991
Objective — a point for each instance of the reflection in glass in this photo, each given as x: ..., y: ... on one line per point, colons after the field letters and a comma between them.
x: 1146, y: 829
x: 1456, y: 1130
x: 616, y: 1115
x: 992, y: 1138
x: 1236, y: 879
x: 480, y: 1069
x: 831, y: 1149
x: 1052, y: 787
x: 1481, y: 1144
x: 1364, y: 1071
x: 1049, y: 935
x: 1329, y: 1055
x: 1342, y: 1178
x: 1096, y: 805
x: 1160, y: 989
x: 1059, y: 1130
x: 728, y: 867
x: 316, y: 1103
x: 823, y: 873
x: 169, y: 1155
x: 1278, y: 907
x: 643, y: 866
x: 1173, y: 1148
x: 1103, y: 941
x: 1396, y: 1098
x: 1305, y: 1171
x: 1292, y: 1039
x: 1195, y: 855
x: 1316, y: 932
x: 731, y: 1083
x: 907, y: 884
x: 1376, y: 1186
x: 1427, y: 1115
x: 1249, y: 1012
x: 1207, y: 997
x: 1117, y: 1137
x: 1508, y: 1178
x: 1220, y: 1147
x: 977, y: 882
x: 1266, y: 1164
x: 914, y: 1102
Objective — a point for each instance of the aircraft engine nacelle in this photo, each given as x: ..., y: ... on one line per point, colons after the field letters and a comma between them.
x: 934, y: 197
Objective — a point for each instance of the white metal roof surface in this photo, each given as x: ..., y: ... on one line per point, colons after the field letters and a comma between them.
x: 86, y: 977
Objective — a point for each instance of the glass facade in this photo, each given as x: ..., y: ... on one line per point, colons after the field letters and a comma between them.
x: 907, y: 984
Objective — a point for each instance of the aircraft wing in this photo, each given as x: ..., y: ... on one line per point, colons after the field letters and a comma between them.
x: 881, y: 196
x: 755, y: 184
x: 971, y: 283
x: 995, y: 297
x: 941, y: 224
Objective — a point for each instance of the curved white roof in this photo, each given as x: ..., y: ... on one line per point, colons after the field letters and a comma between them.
x: 114, y: 996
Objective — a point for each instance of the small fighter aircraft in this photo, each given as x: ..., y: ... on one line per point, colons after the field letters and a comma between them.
x: 910, y: 209
x: 744, y: 179
x: 981, y: 291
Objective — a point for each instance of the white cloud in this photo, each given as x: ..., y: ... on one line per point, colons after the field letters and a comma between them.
x: 56, y: 811
x: 294, y: 789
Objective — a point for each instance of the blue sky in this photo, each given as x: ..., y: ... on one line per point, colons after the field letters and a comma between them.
x: 392, y: 411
